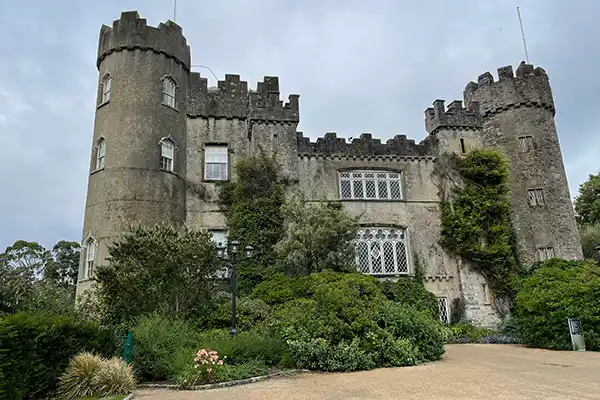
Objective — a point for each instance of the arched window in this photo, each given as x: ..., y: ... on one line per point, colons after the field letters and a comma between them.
x: 382, y: 251
x: 100, y: 153
x: 168, y: 95
x: 106, y: 88
x: 370, y: 185
x: 90, y: 258
x: 167, y: 154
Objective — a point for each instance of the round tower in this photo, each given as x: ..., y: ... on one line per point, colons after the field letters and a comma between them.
x: 138, y: 160
x: 518, y: 118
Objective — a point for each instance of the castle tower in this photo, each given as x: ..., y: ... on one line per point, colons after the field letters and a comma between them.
x: 138, y: 161
x: 517, y: 114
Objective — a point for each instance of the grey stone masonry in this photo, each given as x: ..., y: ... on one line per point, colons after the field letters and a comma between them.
x: 396, y: 185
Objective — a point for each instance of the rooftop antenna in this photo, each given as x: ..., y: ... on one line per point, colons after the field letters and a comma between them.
x: 523, y: 35
x: 174, y: 10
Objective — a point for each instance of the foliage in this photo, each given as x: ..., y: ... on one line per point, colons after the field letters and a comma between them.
x: 226, y: 372
x: 157, y: 269
x: 343, y: 322
x: 158, y: 341
x: 476, y: 221
x: 63, y: 266
x: 587, y: 204
x: 316, y: 237
x: 558, y: 290
x: 36, y: 349
x: 50, y: 298
x: 467, y: 333
x: 253, y: 202
x: 590, y: 239
x: 409, y: 291
x: 89, y: 375
x: 250, y: 313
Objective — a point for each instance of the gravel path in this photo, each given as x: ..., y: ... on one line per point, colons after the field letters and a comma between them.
x: 468, y: 372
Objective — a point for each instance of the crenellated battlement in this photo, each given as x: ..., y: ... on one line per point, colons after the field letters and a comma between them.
x: 455, y: 116
x: 365, y: 145
x: 231, y: 99
x: 529, y: 87
x: 131, y: 32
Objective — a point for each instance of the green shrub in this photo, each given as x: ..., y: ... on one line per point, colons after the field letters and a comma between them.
x: 114, y: 377
x: 251, y: 312
x: 467, y: 333
x: 36, y: 349
x: 411, y: 292
x: 559, y: 290
x: 158, y: 342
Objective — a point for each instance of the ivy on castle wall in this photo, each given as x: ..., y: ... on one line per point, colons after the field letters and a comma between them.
x: 253, y: 202
x: 476, y: 220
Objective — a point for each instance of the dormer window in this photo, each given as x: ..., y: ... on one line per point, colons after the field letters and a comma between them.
x: 168, y: 92
x: 370, y: 185
x: 167, y: 155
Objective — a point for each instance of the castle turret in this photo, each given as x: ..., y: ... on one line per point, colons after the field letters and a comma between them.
x: 138, y: 162
x: 517, y: 114
x: 455, y: 129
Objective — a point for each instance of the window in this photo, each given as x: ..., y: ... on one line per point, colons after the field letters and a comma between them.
x: 382, y: 251
x: 106, y: 88
x: 525, y: 143
x: 215, y: 162
x: 444, y: 310
x: 463, y: 149
x: 535, y: 197
x: 90, y: 257
x: 370, y: 185
x: 169, y: 87
x: 545, y: 253
x: 167, y: 155
x: 100, y: 153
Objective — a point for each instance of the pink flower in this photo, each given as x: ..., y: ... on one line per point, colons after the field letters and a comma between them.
x: 220, y: 362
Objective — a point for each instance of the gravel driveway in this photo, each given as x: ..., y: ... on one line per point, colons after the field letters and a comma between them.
x: 468, y: 372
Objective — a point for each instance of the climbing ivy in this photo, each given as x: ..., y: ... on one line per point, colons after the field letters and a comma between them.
x: 253, y: 201
x: 476, y: 220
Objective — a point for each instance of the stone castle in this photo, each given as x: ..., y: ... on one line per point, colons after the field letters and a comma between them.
x: 163, y: 140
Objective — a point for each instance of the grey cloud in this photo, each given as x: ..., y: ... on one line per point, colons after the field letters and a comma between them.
x: 359, y: 66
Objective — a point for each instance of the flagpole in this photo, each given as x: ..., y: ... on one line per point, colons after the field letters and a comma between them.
x: 174, y: 10
x: 522, y: 35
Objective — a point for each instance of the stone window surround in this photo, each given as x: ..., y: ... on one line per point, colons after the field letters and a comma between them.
x: 90, y: 243
x: 168, y: 98
x: 161, y: 143
x: 535, y: 192
x: 100, y: 150
x: 375, y: 170
x: 444, y: 309
x: 103, y: 95
x: 545, y: 252
x: 525, y: 143
x: 407, y: 251
x: 228, y: 162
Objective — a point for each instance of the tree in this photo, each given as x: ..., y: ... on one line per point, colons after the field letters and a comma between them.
x: 316, y: 238
x: 587, y: 204
x: 590, y: 239
x: 63, y: 266
x: 157, y: 269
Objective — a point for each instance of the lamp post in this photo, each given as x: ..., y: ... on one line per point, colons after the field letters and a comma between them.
x: 230, y: 253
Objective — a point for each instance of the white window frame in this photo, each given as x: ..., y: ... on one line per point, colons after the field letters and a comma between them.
x: 100, y: 153
x: 105, y: 87
x: 382, y: 251
x: 216, y: 162
x: 169, y: 92
x: 545, y: 253
x: 536, y: 197
x: 525, y: 143
x: 167, y: 155
x: 444, y: 309
x: 90, y: 258
x: 359, y: 184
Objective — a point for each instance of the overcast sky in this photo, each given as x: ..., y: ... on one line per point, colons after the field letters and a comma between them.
x: 359, y: 66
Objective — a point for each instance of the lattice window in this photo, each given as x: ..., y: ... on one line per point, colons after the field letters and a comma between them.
x: 382, y: 251
x: 106, y: 88
x: 216, y: 162
x: 90, y: 258
x: 168, y: 93
x: 100, y: 154
x: 444, y: 309
x: 167, y: 155
x: 535, y: 197
x: 371, y: 185
x: 545, y: 253
x: 525, y: 143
